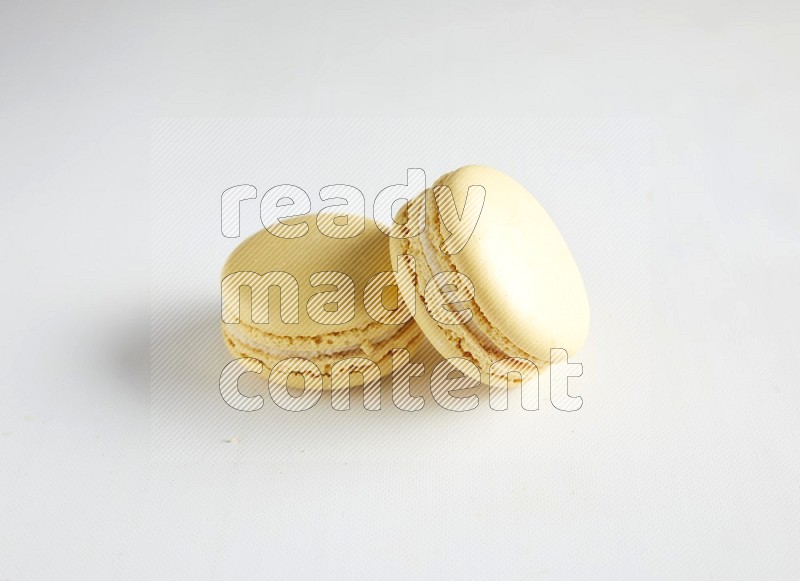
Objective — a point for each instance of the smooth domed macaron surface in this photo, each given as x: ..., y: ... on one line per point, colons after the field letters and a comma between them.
x: 529, y: 294
x: 359, y: 257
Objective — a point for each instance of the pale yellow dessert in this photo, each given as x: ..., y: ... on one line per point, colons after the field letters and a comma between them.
x: 529, y: 296
x: 305, y: 327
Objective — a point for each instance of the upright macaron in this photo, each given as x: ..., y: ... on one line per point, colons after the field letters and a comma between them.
x: 528, y: 296
x: 319, y: 313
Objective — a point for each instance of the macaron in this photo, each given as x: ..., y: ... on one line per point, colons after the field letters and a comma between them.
x: 521, y: 291
x: 318, y: 313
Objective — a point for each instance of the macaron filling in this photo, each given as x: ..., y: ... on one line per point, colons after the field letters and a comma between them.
x: 376, y: 347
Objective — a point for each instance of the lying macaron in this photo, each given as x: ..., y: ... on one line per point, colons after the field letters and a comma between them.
x: 315, y: 307
x: 527, y: 295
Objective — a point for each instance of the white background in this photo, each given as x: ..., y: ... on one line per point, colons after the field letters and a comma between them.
x: 692, y: 476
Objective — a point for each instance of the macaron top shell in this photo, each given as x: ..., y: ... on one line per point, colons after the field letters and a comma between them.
x: 359, y: 257
x: 527, y: 284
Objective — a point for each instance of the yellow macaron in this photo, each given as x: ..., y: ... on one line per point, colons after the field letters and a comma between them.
x: 526, y: 293
x: 319, y: 312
